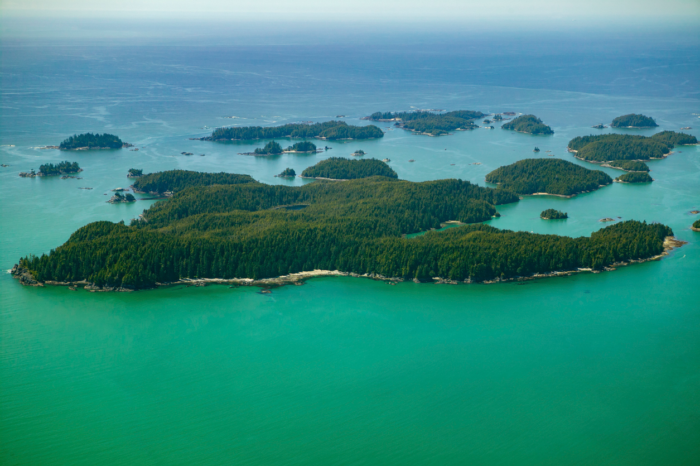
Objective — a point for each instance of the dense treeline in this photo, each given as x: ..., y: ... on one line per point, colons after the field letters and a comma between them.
x: 325, y: 130
x: 92, y: 141
x: 528, y: 124
x: 305, y: 146
x: 629, y: 165
x: 270, y: 148
x: 339, y: 168
x: 177, y: 180
x: 61, y: 168
x: 672, y: 138
x: 634, y: 178
x: 553, y: 176
x: 633, y: 120
x: 110, y: 254
x: 609, y: 147
x: 553, y: 214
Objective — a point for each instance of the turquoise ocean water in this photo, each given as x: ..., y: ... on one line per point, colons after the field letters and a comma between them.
x: 589, y: 369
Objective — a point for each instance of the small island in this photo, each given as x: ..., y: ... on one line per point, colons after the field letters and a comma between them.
x: 134, y: 173
x: 172, y: 181
x: 338, y: 168
x: 548, y: 176
x: 536, y: 149
x: 599, y: 126
x: 305, y: 147
x: 271, y: 148
x: 358, y: 153
x: 606, y: 148
x: 636, y: 177
x: 120, y: 198
x: 633, y: 120
x: 552, y: 214
x: 49, y: 169
x: 528, y: 124
x: 89, y: 141
x: 628, y: 165
x: 329, y: 130
x: 287, y: 173
x: 696, y: 225
x: 430, y: 123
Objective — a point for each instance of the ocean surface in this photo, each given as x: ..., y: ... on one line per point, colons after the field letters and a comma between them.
x: 589, y: 369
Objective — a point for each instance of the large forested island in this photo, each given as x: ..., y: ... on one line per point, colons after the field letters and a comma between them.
x: 610, y: 147
x: 176, y: 180
x: 254, y: 231
x: 338, y: 168
x: 634, y: 178
x: 529, y: 124
x: 633, y: 120
x: 331, y: 130
x: 430, y: 123
x: 89, y: 141
x: 548, y: 176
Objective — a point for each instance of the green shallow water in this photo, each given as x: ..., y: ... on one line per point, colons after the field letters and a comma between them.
x: 588, y: 369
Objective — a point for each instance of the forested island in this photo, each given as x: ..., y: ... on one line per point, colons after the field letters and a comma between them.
x: 331, y: 130
x: 338, y: 168
x: 49, y: 169
x: 696, y: 225
x: 634, y: 178
x: 610, y: 147
x: 628, y: 165
x: 134, y: 173
x: 172, y: 181
x: 271, y: 148
x: 633, y: 120
x: 89, y: 141
x: 529, y: 124
x: 119, y: 198
x: 430, y: 123
x: 240, y: 231
x: 302, y: 147
x: 287, y: 173
x: 553, y: 214
x: 548, y: 176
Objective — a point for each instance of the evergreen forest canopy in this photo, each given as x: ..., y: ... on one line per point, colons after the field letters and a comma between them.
x: 270, y: 148
x: 92, y: 141
x: 339, y: 168
x: 327, y: 130
x: 551, y: 176
x: 236, y: 231
x: 634, y: 178
x: 633, y: 120
x: 61, y: 168
x: 177, y: 180
x: 553, y: 214
x: 431, y: 123
x: 629, y: 165
x: 611, y: 147
x: 305, y: 146
x: 528, y: 124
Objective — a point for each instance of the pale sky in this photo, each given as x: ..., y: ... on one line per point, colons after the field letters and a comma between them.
x: 370, y: 10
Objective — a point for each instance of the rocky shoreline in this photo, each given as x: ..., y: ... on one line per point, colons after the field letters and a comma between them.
x: 25, y: 278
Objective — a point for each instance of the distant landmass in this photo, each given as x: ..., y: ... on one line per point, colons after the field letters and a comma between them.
x: 338, y: 168
x: 633, y: 120
x: 255, y: 231
x: 430, y: 123
x: 548, y: 176
x: 330, y: 130
x: 529, y: 124
x: 611, y: 147
x: 89, y: 141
